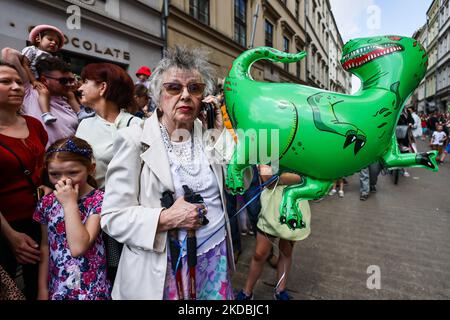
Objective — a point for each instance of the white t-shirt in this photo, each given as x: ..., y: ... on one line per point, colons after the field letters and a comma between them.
x: 417, y: 128
x: 438, y: 138
x: 100, y: 134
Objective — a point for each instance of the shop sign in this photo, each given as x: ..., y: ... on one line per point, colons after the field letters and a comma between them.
x: 93, y: 47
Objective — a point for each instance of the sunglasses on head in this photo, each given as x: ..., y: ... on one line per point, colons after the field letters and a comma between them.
x: 174, y: 88
x: 63, y: 80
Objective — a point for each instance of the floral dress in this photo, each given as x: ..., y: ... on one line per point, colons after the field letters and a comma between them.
x: 70, y: 278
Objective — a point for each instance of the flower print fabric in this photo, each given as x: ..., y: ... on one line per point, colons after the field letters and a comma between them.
x: 70, y: 278
x: 212, y: 276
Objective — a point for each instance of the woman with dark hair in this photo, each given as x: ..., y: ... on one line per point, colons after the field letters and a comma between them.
x: 109, y: 90
x: 142, y: 100
x: 22, y: 147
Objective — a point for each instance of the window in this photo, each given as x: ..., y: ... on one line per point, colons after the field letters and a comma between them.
x: 199, y: 9
x: 240, y: 22
x: 285, y: 44
x: 286, y: 49
x: 297, y: 10
x: 269, y: 34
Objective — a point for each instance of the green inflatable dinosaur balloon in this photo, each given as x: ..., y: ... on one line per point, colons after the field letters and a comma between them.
x: 324, y: 135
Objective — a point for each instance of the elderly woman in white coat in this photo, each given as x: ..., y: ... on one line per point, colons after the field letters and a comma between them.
x: 166, y: 154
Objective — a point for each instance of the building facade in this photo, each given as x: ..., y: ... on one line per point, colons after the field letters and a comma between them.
x: 443, y: 64
x: 433, y: 93
x: 432, y: 49
x: 227, y: 28
x: 318, y: 42
x: 124, y: 32
x: 418, y: 98
x: 133, y: 33
x: 339, y: 79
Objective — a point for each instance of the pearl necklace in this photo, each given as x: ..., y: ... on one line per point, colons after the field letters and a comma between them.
x: 186, y: 157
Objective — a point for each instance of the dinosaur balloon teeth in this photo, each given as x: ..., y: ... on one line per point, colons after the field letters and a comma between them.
x: 361, y: 56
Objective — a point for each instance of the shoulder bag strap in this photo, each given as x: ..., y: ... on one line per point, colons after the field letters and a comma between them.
x: 129, y: 121
x: 25, y: 171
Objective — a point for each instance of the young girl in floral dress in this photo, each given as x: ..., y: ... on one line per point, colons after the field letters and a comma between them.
x: 73, y: 261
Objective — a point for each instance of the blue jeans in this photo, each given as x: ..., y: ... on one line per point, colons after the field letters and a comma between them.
x: 369, y: 177
x: 253, y: 209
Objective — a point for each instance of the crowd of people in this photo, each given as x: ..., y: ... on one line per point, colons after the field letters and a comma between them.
x: 108, y: 186
x: 81, y: 203
x: 436, y: 127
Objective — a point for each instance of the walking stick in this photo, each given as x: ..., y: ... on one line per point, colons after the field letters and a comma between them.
x: 190, y: 196
x: 167, y: 201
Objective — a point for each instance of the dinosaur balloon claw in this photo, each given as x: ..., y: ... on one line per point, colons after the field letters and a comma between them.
x: 292, y: 224
x: 359, y: 144
x: 302, y: 224
x: 349, y: 140
x: 426, y: 159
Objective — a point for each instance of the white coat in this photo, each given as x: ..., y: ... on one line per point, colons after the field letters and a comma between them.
x: 417, y: 127
x: 132, y: 206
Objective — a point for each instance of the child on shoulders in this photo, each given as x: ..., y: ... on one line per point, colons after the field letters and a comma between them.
x: 46, y: 40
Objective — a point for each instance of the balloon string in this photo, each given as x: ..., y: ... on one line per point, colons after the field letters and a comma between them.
x: 182, y: 247
x: 261, y: 189
x: 262, y: 186
x: 275, y: 244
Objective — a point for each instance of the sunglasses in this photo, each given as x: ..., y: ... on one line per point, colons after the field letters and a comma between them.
x: 174, y: 88
x: 63, y: 80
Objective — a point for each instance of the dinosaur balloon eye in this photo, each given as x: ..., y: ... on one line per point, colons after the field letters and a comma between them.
x: 395, y: 38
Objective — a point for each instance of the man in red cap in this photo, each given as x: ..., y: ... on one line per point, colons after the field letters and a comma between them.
x: 143, y: 73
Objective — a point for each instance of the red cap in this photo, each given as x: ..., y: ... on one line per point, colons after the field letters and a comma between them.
x: 145, y: 71
x: 45, y: 27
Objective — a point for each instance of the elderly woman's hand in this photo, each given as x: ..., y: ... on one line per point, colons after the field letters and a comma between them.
x: 181, y: 214
x: 218, y: 118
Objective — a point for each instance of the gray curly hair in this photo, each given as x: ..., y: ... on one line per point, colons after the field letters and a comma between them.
x: 186, y: 59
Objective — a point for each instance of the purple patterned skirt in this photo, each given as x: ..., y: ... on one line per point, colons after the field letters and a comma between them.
x: 212, y: 276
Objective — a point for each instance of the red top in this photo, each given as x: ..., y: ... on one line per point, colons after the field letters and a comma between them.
x: 16, y: 194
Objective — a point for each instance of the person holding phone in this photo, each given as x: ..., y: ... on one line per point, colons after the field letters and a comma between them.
x: 166, y: 154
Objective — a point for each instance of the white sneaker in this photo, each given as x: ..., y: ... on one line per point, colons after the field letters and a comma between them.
x: 332, y: 192
x: 406, y: 174
x: 341, y: 193
x: 48, y: 118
